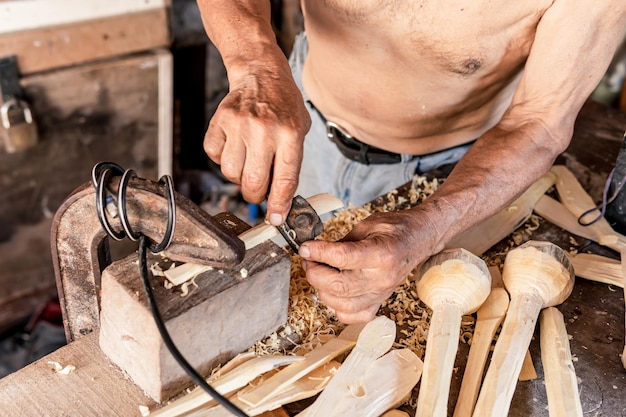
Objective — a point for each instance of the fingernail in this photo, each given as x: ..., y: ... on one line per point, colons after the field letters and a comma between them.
x: 276, y: 219
x: 304, y: 252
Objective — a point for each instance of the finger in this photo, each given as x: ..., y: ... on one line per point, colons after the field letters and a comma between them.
x: 351, y: 310
x: 255, y: 178
x: 214, y: 141
x: 363, y: 316
x: 362, y: 254
x: 233, y: 159
x: 285, y: 174
x: 340, y: 284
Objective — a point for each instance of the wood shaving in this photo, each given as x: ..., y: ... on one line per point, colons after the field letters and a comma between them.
x: 145, y: 411
x: 59, y: 369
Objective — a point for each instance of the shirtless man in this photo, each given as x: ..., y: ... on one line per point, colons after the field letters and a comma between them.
x: 409, y: 78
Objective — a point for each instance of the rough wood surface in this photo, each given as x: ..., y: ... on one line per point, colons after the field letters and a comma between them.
x: 55, y: 47
x: 233, y: 309
x: 598, y: 268
x: 96, y: 388
x: 229, y: 382
x: 558, y: 368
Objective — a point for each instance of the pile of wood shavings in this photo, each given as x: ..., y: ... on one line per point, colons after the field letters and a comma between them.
x: 309, y: 322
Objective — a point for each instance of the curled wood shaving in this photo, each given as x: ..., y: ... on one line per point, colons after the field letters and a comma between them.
x: 59, y: 369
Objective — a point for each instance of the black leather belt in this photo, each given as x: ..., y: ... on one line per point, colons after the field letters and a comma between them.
x: 354, y: 149
x: 358, y: 151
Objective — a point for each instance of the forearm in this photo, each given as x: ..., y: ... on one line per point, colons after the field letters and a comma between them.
x: 500, y: 166
x: 243, y: 34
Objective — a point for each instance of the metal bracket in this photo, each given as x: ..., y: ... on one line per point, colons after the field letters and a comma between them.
x: 9, y: 79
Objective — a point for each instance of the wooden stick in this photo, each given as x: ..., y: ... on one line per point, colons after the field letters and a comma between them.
x: 598, y: 268
x: 386, y: 383
x: 558, y: 369
x: 317, y: 357
x: 229, y: 382
x: 484, y: 235
x: 537, y: 275
x: 488, y: 318
x: 321, y: 203
x: 375, y: 340
x: 575, y: 198
x: 528, y: 372
x: 452, y: 283
x: 559, y: 215
x: 303, y: 388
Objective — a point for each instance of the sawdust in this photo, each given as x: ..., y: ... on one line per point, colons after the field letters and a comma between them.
x: 309, y: 321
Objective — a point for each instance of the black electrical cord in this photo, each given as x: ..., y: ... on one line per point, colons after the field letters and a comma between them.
x: 99, y: 178
x: 606, y: 200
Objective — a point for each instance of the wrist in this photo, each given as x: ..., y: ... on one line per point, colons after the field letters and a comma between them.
x: 439, y: 216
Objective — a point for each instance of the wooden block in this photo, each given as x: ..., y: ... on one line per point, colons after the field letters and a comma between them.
x: 80, y: 42
x: 228, y: 312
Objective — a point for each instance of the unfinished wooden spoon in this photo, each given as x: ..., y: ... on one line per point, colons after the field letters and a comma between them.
x: 488, y: 318
x: 312, y: 360
x: 537, y: 275
x: 385, y: 384
x: 558, y: 368
x: 452, y: 283
x: 375, y: 340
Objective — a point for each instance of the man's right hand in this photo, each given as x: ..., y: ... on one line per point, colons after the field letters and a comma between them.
x: 257, y: 136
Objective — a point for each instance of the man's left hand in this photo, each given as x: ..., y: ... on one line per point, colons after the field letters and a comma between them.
x: 356, y: 274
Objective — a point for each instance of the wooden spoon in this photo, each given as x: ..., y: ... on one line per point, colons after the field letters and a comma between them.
x: 312, y: 360
x: 558, y: 369
x: 385, y: 384
x: 375, y: 340
x: 537, y: 275
x: 452, y: 283
x: 488, y: 318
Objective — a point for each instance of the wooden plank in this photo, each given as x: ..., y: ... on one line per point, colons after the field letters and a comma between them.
x: 95, y: 388
x: 85, y: 114
x: 24, y: 15
x: 61, y: 46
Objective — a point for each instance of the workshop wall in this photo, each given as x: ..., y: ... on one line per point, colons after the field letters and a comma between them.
x: 97, y: 82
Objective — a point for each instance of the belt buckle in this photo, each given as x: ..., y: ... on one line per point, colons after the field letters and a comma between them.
x: 333, y: 130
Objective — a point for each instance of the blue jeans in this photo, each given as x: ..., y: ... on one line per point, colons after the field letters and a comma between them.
x: 326, y: 170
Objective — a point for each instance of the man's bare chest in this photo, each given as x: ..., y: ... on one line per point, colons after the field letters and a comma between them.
x: 460, y: 37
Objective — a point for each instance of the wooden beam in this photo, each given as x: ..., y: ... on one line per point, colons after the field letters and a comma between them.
x: 61, y: 46
x: 17, y: 16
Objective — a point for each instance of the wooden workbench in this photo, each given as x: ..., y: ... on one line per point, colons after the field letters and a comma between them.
x: 594, y: 314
